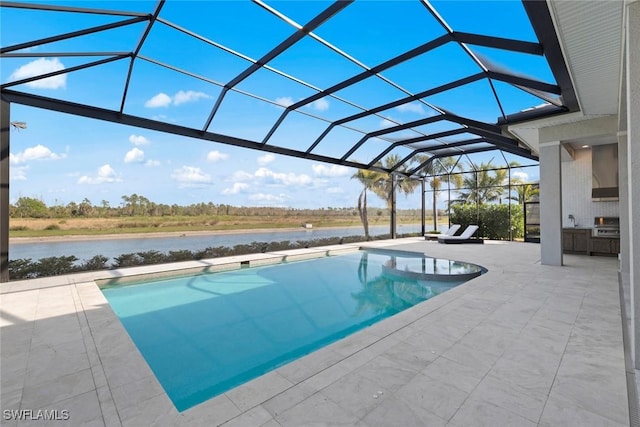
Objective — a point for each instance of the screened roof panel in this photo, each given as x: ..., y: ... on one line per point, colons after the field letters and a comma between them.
x: 439, y: 66
x: 337, y: 142
x: 508, y: 19
x: 232, y: 117
x: 249, y: 74
x: 170, y: 97
x: 513, y: 63
x: 300, y: 12
x: 515, y: 99
x: 307, y: 57
x: 297, y: 131
x: 371, y: 92
x: 245, y: 27
x: 437, y: 126
x: 368, y: 151
x: 80, y: 86
x: 50, y: 23
x: 474, y: 100
x: 119, y: 39
x: 330, y: 108
x: 275, y: 87
x: 195, y: 56
x: 373, y: 33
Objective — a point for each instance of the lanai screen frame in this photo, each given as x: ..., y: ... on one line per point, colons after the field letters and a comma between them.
x: 487, y: 136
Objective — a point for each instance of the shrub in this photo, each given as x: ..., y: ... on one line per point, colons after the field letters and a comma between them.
x: 23, y: 268
x: 98, y: 262
x: 152, y: 257
x: 181, y: 255
x: 54, y: 266
x: 127, y: 260
x: 492, y: 220
x: 52, y: 227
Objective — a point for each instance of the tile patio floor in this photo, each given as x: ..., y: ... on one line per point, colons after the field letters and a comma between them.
x: 522, y: 345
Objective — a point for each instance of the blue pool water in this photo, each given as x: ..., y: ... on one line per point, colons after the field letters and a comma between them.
x: 205, y: 334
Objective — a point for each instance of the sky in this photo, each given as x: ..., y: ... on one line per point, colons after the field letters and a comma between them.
x: 61, y: 158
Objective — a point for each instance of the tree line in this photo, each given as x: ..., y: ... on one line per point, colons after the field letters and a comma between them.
x: 137, y: 205
x: 476, y: 184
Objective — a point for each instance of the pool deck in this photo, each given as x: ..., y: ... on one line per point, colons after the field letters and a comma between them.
x: 522, y: 345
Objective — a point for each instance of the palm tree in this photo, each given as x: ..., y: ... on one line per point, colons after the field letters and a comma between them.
x: 525, y: 192
x: 439, y: 170
x: 484, y: 185
x: 370, y: 180
x: 380, y: 184
x: 404, y: 185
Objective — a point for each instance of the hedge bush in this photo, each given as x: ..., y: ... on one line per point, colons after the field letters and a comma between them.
x: 26, y: 268
x: 492, y: 220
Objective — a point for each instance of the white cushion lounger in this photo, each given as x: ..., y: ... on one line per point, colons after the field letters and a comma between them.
x: 450, y: 232
x: 465, y: 237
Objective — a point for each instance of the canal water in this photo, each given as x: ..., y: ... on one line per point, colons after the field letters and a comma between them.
x: 86, y: 249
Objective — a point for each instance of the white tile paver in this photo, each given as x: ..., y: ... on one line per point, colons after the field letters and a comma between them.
x: 522, y: 345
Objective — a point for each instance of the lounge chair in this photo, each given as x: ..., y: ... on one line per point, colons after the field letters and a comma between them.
x: 465, y: 237
x: 450, y: 232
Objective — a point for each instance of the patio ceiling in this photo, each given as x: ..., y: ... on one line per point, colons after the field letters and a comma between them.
x: 467, y: 77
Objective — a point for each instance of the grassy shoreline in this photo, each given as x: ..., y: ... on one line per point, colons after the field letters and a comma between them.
x: 40, y: 230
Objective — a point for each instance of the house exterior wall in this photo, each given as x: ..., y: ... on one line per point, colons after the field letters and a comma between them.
x: 576, y: 193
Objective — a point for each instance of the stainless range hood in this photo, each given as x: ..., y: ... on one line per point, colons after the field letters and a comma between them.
x: 604, y: 172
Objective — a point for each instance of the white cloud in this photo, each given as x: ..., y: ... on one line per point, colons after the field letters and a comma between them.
x: 320, y: 105
x: 215, y: 156
x: 160, y: 100
x: 522, y: 175
x: 152, y: 163
x: 138, y: 140
x: 189, y: 176
x: 106, y: 174
x: 135, y: 155
x: 285, y: 101
x: 182, y: 97
x: 262, y: 197
x: 39, y: 152
x: 18, y: 173
x: 241, y: 176
x: 411, y: 107
x: 335, y: 190
x: 384, y: 123
x: 330, y: 170
x: 266, y: 159
x: 282, y: 178
x: 238, y: 187
x: 39, y: 67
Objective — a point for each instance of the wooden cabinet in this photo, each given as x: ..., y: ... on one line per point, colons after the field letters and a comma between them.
x: 575, y: 240
x: 604, y: 246
x: 581, y: 241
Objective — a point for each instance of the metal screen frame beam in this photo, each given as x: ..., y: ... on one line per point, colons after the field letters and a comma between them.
x: 318, y: 20
x: 140, y: 122
x: 5, y: 125
x: 74, y: 34
x: 542, y: 23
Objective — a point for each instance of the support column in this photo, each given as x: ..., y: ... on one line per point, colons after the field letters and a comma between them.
x: 4, y: 190
x: 633, y: 164
x: 550, y: 204
x: 392, y: 206
x: 424, y: 205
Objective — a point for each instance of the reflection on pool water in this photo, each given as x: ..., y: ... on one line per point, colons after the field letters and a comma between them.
x: 205, y: 334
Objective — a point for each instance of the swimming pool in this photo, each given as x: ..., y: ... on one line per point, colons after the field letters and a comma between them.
x: 205, y: 334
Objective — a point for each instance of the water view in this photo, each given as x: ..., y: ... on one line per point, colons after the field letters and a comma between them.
x: 85, y: 249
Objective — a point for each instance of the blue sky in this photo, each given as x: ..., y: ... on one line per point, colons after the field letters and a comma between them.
x: 61, y: 158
